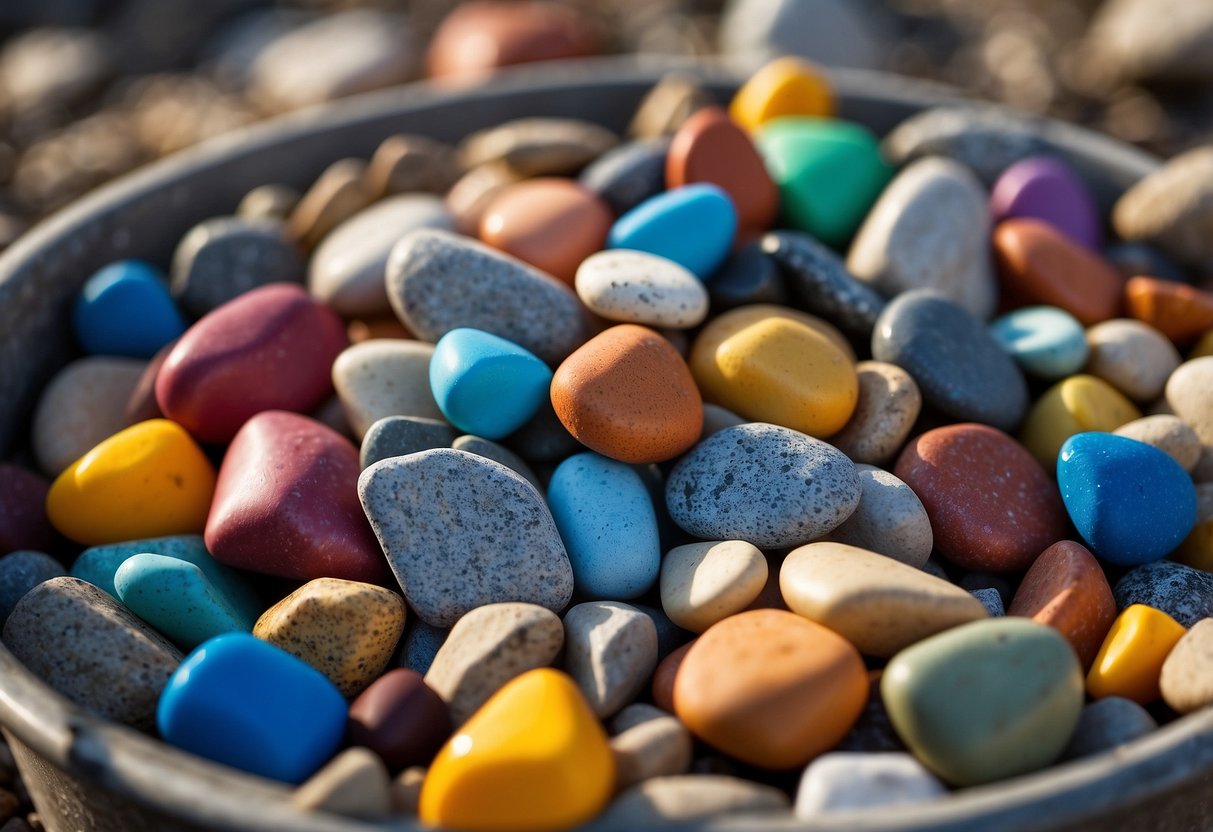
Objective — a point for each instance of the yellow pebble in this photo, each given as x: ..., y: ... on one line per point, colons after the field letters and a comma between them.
x: 1074, y: 405
x: 784, y: 87
x: 1203, y: 347
x: 1130, y: 660
x: 1197, y: 549
x: 534, y: 757
x: 149, y: 480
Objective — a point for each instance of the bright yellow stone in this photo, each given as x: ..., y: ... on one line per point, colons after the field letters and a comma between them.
x: 150, y: 480
x: 784, y: 87
x: 1130, y: 660
x: 534, y: 757
x: 1073, y: 405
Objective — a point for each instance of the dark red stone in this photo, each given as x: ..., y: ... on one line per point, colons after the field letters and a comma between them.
x: 400, y: 718
x: 142, y: 404
x: 23, y: 522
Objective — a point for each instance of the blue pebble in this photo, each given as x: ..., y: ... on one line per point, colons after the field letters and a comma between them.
x: 125, y: 309
x: 487, y: 385
x: 240, y: 701
x: 693, y: 226
x: 1045, y: 341
x: 176, y: 598
x: 606, y: 519
x: 1131, y: 503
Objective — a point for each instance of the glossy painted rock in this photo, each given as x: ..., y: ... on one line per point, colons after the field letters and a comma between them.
x: 1130, y: 660
x: 146, y: 481
x: 610, y: 651
x: 23, y: 520
x: 692, y: 225
x: 1180, y: 312
x: 1132, y: 356
x: 399, y: 718
x: 627, y: 394
x: 785, y: 87
x: 770, y: 688
x: 992, y: 506
x: 1047, y: 189
x: 125, y: 309
x: 270, y: 349
x: 890, y: 519
x: 247, y: 704
x: 1184, y: 593
x: 384, y: 377
x: 1131, y: 503
x: 178, y: 599
x: 987, y: 700
x: 1074, y: 405
x: 641, y: 288
x: 1045, y: 341
x: 888, y: 405
x: 706, y: 582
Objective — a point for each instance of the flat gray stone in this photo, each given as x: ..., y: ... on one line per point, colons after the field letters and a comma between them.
x: 20, y: 572
x: 610, y: 651
x: 403, y: 435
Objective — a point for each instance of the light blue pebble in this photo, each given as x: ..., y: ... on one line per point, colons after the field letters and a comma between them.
x: 240, y: 701
x: 485, y: 384
x: 606, y: 519
x: 126, y: 309
x: 693, y: 225
x: 1045, y: 341
x: 177, y: 599
x: 1131, y: 502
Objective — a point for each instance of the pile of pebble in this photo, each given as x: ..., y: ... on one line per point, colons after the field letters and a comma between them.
x: 557, y: 475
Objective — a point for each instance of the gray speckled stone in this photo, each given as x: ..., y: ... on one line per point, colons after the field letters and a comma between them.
x: 629, y: 174
x: 960, y: 368
x: 221, y: 258
x: 438, y: 281
x: 498, y: 453
x: 20, y: 572
x: 819, y: 280
x: 749, y: 275
x: 1184, y: 593
x: 1107, y: 723
x: 461, y: 531
x: 402, y: 435
x: 766, y: 484
x: 91, y: 649
x: 420, y: 645
x: 890, y: 519
x: 991, y: 600
x: 610, y: 651
x: 985, y: 139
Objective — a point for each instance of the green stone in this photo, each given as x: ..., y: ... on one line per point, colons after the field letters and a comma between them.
x: 986, y: 700
x: 178, y: 599
x: 829, y: 174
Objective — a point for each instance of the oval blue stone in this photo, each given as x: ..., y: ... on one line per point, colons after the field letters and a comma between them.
x: 693, y: 225
x: 125, y: 309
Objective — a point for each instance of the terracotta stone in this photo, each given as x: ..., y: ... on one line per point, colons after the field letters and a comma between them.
x: 399, y: 718
x: 474, y: 191
x: 1180, y: 312
x: 665, y: 675
x: 992, y: 506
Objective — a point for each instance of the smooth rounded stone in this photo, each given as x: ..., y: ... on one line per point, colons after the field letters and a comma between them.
x: 353, y: 784
x: 890, y: 519
x: 471, y: 194
x: 1134, y: 259
x: 1071, y: 406
x: 1047, y: 189
x: 498, y: 453
x: 667, y: 104
x: 987, y: 700
x: 403, y: 435
x: 23, y: 520
x: 534, y: 147
x: 991, y: 599
x: 770, y: 688
x: 765, y: 484
x: 112, y: 664
x: 346, y: 271
x: 461, y: 531
x: 717, y: 418
x: 834, y: 32
x: 1131, y: 502
x: 693, y: 225
x: 54, y: 64
x: 345, y: 629
x: 992, y: 506
x: 1189, y: 392
x: 407, y: 163
x: 1184, y: 593
x: 125, y: 309
x: 887, y: 408
x: 1132, y: 356
x: 1186, y: 681
x: 787, y: 86
x: 1197, y: 549
x: 21, y: 571
x: 1045, y: 341
x: 627, y: 394
x: 83, y: 405
x: 610, y: 650
x: 629, y: 174
x: 669, y: 635
x: 247, y: 704
x: 1181, y: 313
x: 748, y: 276
x: 1138, y: 41
x: 220, y: 259
x: 285, y: 504
x: 149, y: 480
x: 339, y: 193
x: 275, y: 202
x: 421, y: 644
x: 269, y: 349
x: 878, y: 604
x: 1169, y: 434
x: 438, y: 281
x: 660, y: 801
x: 702, y: 583
x: 929, y: 230
x: 666, y: 674
x: 818, y: 280
x: 385, y: 377
x: 642, y: 288
x: 400, y: 718
x: 142, y: 404
x: 648, y: 743
x: 1170, y: 209
x: 488, y: 647
x: 849, y: 781
x: 406, y: 791
x: 1107, y: 723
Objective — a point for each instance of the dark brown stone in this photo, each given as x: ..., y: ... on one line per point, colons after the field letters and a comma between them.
x: 400, y: 718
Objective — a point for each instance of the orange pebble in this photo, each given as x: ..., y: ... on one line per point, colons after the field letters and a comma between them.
x: 1180, y: 312
x: 664, y: 676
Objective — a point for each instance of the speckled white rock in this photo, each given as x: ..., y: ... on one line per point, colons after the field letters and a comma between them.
x: 890, y: 519
x: 647, y: 743
x: 701, y: 583
x: 1189, y: 392
x: 384, y: 377
x: 641, y: 288
x: 1132, y: 356
x: 889, y: 404
x: 610, y: 651
x: 461, y: 531
x: 1169, y: 434
x: 848, y: 781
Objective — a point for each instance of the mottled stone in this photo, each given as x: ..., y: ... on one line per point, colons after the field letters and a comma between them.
x: 1184, y: 593
x: 889, y: 404
x: 421, y: 644
x: 220, y: 259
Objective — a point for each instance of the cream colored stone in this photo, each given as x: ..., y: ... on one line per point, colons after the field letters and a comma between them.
x: 385, y: 377
x: 701, y: 583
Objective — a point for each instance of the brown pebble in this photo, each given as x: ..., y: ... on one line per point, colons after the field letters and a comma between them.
x: 889, y: 404
x: 372, y: 328
x: 472, y: 193
x: 338, y: 194
x: 664, y: 109
x: 406, y: 791
x: 275, y: 202
x: 538, y: 146
x: 399, y: 718
x: 408, y: 163
x: 1182, y: 313
x: 142, y: 404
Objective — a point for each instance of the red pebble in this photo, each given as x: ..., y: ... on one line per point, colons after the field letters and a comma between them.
x: 23, y: 522
x: 400, y: 718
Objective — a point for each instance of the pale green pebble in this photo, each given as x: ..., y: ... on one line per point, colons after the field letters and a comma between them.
x: 177, y: 598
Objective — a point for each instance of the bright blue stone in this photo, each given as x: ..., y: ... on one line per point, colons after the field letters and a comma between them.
x: 1131, y: 502
x: 693, y: 226
x: 178, y: 599
x: 240, y: 701
x: 486, y: 385
x: 1045, y: 341
x: 606, y: 519
x: 125, y: 309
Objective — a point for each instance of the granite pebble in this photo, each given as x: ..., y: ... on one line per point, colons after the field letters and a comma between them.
x: 610, y: 650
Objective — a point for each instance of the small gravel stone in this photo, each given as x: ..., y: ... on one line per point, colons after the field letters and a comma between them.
x: 889, y: 404
x: 648, y: 743
x: 610, y: 651
x: 991, y: 599
x: 1169, y: 434
x: 890, y: 519
x: 847, y: 781
x: 354, y: 784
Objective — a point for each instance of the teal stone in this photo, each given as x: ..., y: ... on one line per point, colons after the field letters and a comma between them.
x: 1045, y: 341
x: 178, y: 599
x: 987, y: 700
x: 829, y: 174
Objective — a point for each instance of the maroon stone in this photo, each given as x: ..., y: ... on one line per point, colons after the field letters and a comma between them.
x: 269, y: 349
x: 400, y: 718
x: 142, y: 404
x: 286, y: 504
x: 23, y: 522
x: 992, y: 507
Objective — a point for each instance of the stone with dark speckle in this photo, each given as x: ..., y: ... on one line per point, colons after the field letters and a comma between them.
x: 1107, y: 723
x: 1184, y: 593
x: 498, y: 453
x: 402, y: 435
x: 20, y: 572
x: 421, y: 643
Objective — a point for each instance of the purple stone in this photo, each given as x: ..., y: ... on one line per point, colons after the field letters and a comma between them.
x: 1048, y: 190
